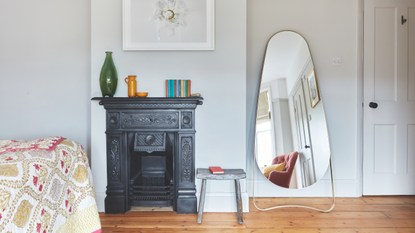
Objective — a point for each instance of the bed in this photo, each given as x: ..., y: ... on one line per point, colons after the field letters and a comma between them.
x: 46, y: 186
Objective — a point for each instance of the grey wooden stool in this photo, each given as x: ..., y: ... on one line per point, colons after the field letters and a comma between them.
x: 230, y: 174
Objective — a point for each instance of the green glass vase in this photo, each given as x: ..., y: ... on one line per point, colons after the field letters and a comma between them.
x: 108, y: 79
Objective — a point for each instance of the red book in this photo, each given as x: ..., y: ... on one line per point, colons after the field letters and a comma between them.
x: 167, y: 88
x: 189, y: 93
x: 216, y: 170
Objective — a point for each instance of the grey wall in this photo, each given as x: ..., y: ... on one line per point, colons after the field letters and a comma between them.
x: 45, y: 69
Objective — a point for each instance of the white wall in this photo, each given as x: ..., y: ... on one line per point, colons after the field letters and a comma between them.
x: 218, y: 75
x: 332, y: 29
x: 45, y: 69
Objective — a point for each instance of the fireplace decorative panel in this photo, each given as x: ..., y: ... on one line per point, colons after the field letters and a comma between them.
x: 150, y: 142
x: 150, y: 153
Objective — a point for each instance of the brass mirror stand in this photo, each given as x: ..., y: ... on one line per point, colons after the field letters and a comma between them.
x: 301, y: 206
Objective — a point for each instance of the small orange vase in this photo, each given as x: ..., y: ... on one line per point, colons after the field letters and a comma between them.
x: 132, y: 85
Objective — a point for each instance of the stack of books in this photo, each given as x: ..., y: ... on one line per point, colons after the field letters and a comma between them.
x: 178, y: 88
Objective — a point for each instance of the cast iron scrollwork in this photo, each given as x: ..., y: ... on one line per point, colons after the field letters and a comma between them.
x: 186, y: 159
x: 151, y: 120
x: 115, y: 160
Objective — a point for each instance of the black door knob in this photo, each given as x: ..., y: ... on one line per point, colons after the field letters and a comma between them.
x: 307, y: 146
x: 373, y: 105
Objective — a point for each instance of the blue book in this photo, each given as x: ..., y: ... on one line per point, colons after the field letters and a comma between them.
x: 167, y: 88
x: 176, y: 88
x: 171, y: 88
x: 179, y: 87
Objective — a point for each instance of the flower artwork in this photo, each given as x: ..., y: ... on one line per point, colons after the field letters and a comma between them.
x: 168, y: 25
x: 169, y: 15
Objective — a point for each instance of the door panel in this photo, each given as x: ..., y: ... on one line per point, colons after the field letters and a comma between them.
x: 388, y: 152
x: 384, y: 56
x: 385, y: 150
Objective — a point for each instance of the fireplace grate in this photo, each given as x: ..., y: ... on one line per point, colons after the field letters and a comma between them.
x: 152, y: 203
x: 155, y: 196
x: 151, y: 198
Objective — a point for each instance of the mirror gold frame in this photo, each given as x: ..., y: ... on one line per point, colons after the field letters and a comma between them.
x: 314, y: 99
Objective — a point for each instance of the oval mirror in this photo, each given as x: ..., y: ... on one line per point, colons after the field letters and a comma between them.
x: 291, y: 142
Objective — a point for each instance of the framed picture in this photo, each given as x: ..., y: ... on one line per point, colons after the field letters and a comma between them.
x: 168, y: 25
x: 313, y: 89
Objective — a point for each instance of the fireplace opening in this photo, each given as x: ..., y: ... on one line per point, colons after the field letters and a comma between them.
x: 151, y: 181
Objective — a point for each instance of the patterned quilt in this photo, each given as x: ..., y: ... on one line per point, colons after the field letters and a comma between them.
x: 46, y: 186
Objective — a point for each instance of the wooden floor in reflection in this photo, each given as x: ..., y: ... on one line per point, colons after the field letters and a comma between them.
x: 365, y: 214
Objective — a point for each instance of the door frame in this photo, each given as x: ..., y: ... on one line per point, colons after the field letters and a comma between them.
x: 360, y: 96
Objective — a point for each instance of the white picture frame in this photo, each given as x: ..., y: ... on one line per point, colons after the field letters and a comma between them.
x: 161, y: 25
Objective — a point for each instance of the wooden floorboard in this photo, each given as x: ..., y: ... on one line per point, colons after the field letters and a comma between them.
x: 377, y: 214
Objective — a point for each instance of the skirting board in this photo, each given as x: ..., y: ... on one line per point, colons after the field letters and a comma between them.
x: 214, y: 202
x: 100, y: 201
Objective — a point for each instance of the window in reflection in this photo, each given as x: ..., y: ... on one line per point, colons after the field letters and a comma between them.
x: 264, y: 144
x: 264, y: 130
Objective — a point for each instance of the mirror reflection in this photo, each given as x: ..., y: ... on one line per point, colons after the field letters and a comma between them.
x: 291, y: 143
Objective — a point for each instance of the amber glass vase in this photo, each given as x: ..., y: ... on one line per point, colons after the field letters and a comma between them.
x: 108, y: 79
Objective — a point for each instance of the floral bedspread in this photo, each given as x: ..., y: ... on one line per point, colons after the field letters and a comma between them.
x: 46, y: 186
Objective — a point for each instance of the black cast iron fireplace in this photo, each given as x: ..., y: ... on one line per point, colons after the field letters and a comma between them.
x: 150, y: 153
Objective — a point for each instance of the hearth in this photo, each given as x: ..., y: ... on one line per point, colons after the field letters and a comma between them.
x: 150, y: 153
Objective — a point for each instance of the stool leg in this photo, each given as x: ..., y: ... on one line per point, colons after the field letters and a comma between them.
x: 239, y: 201
x: 202, y: 201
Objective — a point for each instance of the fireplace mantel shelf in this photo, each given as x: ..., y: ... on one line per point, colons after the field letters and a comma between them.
x: 161, y: 102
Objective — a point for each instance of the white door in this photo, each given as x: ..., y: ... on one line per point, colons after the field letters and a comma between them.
x: 305, y: 155
x: 389, y: 83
